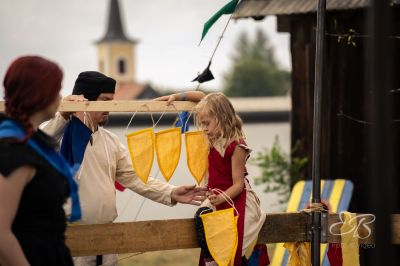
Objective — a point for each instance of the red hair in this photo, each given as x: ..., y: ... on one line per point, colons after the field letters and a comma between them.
x: 31, y: 84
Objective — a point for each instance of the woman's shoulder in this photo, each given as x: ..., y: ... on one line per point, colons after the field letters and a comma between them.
x: 14, y: 155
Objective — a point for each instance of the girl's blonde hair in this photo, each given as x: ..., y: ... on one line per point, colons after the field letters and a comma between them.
x: 218, y: 106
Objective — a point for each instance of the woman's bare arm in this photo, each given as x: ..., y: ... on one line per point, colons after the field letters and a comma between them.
x: 11, y: 189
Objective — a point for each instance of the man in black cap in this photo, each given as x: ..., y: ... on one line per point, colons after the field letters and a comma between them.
x: 93, y: 86
x: 105, y: 160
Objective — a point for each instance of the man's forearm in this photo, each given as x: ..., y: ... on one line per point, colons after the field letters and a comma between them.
x: 55, y: 127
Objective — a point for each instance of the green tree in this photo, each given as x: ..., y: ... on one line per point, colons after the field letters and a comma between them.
x: 279, y: 170
x: 254, y: 71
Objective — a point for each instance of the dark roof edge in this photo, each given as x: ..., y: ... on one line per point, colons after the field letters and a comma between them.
x: 259, y: 8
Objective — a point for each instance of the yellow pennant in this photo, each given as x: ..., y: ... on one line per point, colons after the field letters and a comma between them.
x: 299, y: 253
x: 220, y: 228
x: 168, y: 150
x: 350, y: 246
x: 197, y: 154
x: 141, y: 149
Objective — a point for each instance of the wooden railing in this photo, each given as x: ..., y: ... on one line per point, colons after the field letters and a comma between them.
x: 122, y: 106
x: 155, y: 235
x: 257, y: 104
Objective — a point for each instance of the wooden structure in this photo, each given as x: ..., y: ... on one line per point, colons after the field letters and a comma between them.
x: 122, y: 106
x: 346, y: 105
x: 255, y: 104
x: 180, y: 234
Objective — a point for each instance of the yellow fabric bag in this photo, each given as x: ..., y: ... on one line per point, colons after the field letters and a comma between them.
x: 197, y: 153
x: 220, y: 228
x: 168, y: 150
x: 350, y: 246
x: 141, y: 149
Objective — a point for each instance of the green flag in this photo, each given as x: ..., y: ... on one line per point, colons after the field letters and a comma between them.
x: 229, y: 8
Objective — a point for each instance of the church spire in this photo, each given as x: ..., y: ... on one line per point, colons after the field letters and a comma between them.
x: 115, y: 29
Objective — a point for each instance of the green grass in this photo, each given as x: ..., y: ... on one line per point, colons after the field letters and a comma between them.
x: 180, y: 257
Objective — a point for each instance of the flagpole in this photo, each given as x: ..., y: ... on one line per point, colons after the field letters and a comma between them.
x: 316, y: 162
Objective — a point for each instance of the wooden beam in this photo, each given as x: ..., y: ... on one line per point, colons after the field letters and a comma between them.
x: 84, y: 240
x: 246, y: 104
x: 145, y: 236
x: 123, y: 106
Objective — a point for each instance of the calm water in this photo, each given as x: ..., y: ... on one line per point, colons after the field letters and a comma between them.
x: 259, y: 136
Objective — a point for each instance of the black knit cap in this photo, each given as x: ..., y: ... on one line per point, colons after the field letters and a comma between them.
x: 92, y: 83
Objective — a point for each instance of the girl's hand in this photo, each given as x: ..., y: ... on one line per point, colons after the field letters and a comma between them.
x: 215, y: 199
x: 169, y: 98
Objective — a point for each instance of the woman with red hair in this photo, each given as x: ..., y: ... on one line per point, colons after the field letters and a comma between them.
x: 34, y: 180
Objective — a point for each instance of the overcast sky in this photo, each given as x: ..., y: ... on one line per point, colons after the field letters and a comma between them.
x: 168, y: 32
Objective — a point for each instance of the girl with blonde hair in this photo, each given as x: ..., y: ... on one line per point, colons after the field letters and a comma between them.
x: 228, y: 153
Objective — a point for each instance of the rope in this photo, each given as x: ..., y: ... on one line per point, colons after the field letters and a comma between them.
x: 219, y: 40
x: 132, y: 255
x: 222, y: 193
x: 226, y: 198
x: 134, y: 114
x: 314, y: 207
x: 187, y: 120
x: 222, y: 35
x: 162, y: 114
x: 155, y: 177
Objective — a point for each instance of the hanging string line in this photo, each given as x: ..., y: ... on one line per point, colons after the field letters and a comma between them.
x: 165, y: 110
x: 220, y: 39
x: 359, y: 120
x: 144, y: 199
x: 134, y: 114
x: 130, y: 256
x: 141, y: 204
x: 223, y: 194
x: 178, y: 117
x: 352, y: 118
x: 357, y: 35
x: 187, y: 120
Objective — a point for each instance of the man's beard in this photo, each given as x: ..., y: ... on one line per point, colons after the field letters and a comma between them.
x: 104, y: 121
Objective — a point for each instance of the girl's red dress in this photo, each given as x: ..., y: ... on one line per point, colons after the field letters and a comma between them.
x: 220, y: 176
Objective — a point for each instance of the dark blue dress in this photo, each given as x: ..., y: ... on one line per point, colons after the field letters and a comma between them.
x: 40, y: 222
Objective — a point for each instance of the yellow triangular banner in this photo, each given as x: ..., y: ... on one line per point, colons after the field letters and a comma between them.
x: 197, y: 154
x: 141, y: 149
x: 168, y: 150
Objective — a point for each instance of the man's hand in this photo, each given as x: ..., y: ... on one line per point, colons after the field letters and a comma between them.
x: 189, y: 195
x: 72, y: 98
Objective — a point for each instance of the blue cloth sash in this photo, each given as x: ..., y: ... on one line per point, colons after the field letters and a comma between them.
x: 10, y: 129
x: 74, y: 142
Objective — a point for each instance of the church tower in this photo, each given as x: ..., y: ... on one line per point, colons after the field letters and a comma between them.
x: 116, y: 52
